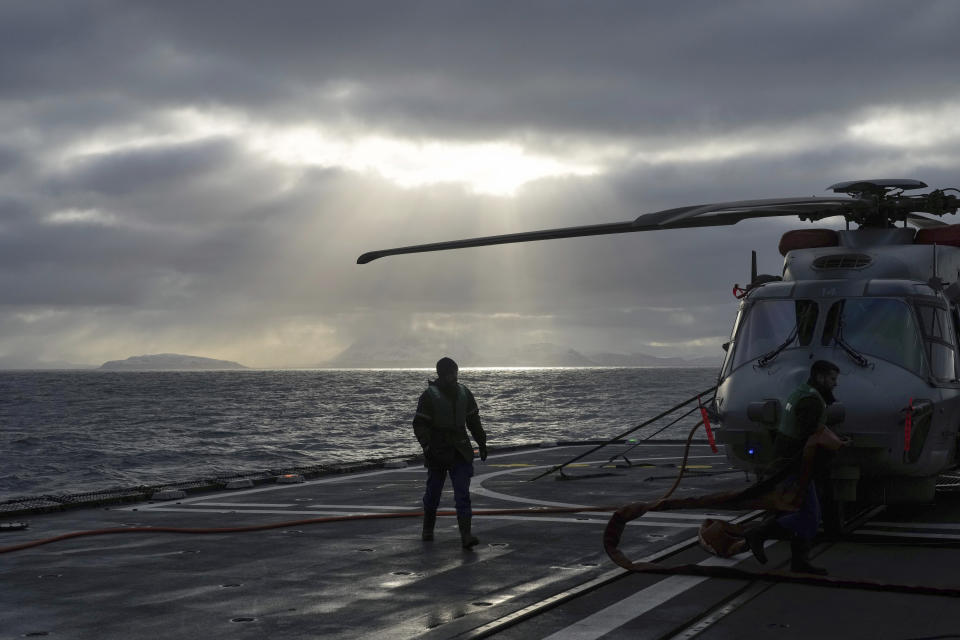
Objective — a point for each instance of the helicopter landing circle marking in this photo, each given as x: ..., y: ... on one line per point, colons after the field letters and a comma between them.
x: 489, y: 493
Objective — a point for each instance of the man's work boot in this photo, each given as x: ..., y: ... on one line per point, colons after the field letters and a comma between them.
x: 467, y: 540
x: 800, y: 558
x: 758, y: 534
x: 429, y: 519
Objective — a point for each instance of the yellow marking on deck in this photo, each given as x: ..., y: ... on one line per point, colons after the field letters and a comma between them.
x: 699, y: 466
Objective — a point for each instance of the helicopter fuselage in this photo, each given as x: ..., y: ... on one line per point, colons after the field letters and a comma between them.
x: 875, y: 305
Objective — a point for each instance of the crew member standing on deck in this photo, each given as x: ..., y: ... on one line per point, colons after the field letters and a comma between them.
x: 445, y: 411
x: 803, y: 418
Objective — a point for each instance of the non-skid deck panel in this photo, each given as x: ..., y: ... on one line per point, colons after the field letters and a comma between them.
x: 337, y: 580
x: 375, y: 578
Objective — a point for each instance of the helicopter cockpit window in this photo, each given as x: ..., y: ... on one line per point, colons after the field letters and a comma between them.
x: 879, y: 327
x: 939, y: 337
x: 772, y: 325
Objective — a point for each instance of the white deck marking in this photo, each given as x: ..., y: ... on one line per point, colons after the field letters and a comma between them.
x: 911, y: 534
x: 635, y: 523
x: 688, y: 516
x: 290, y: 512
x: 481, y: 491
x: 476, y: 490
x: 276, y: 487
x: 274, y: 505
x: 616, y: 615
x: 333, y: 479
x: 415, y: 519
x: 349, y: 509
x: 407, y: 507
x: 915, y: 525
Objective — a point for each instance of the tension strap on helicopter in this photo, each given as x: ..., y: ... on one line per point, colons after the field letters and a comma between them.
x: 560, y: 467
x: 706, y: 425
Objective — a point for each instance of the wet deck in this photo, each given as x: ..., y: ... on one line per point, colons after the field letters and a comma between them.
x: 532, y: 576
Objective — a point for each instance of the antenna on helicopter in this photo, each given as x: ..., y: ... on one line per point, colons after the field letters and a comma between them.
x: 935, y: 282
x: 753, y: 267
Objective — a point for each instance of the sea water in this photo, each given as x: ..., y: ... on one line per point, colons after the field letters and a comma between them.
x: 67, y: 432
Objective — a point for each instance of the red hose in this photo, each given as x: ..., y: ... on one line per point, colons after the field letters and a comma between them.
x: 291, y: 523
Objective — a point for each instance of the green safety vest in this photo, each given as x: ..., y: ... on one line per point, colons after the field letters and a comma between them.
x: 450, y: 420
x: 445, y: 414
x: 788, y: 419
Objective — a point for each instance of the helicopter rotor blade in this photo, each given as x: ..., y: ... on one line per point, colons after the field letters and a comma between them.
x: 812, y: 208
x: 527, y: 236
x: 704, y: 215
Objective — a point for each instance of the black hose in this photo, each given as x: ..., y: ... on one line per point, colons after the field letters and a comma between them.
x: 625, y: 433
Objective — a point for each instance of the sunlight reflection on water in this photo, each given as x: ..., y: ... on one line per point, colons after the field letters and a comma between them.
x: 70, y: 431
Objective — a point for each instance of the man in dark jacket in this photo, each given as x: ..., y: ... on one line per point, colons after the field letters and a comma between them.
x: 444, y: 413
x: 802, y: 417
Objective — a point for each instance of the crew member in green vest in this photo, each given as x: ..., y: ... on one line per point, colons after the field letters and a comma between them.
x: 803, y: 415
x: 444, y: 413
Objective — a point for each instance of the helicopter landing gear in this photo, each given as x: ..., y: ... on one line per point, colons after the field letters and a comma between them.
x: 841, y: 517
x: 835, y: 515
x: 839, y: 501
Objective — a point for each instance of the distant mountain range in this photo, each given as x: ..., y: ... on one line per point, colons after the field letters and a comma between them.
x: 416, y: 353
x: 411, y: 353
x: 169, y: 362
x: 20, y: 363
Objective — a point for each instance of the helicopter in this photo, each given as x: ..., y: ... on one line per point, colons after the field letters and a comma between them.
x: 881, y: 301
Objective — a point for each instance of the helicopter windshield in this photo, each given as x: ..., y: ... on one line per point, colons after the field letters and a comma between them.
x: 771, y: 326
x: 879, y: 327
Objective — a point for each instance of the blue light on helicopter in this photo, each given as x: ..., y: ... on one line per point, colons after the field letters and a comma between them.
x: 750, y: 452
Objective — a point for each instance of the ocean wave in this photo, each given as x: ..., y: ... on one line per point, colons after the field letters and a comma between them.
x: 68, y: 432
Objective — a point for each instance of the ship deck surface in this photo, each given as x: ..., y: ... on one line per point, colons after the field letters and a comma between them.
x: 531, y: 576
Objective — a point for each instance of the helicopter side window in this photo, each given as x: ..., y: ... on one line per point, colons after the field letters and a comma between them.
x: 880, y: 327
x: 770, y: 325
x: 939, y: 337
x: 730, y: 347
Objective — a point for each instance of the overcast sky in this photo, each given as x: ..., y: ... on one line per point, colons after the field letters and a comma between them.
x: 200, y: 177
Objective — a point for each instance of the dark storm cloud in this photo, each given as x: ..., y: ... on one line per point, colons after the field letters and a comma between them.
x: 14, y: 209
x: 599, y: 67
x: 143, y: 171
x: 10, y: 158
x: 469, y: 69
x: 120, y: 221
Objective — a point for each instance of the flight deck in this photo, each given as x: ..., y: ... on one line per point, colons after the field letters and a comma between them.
x: 533, y: 575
